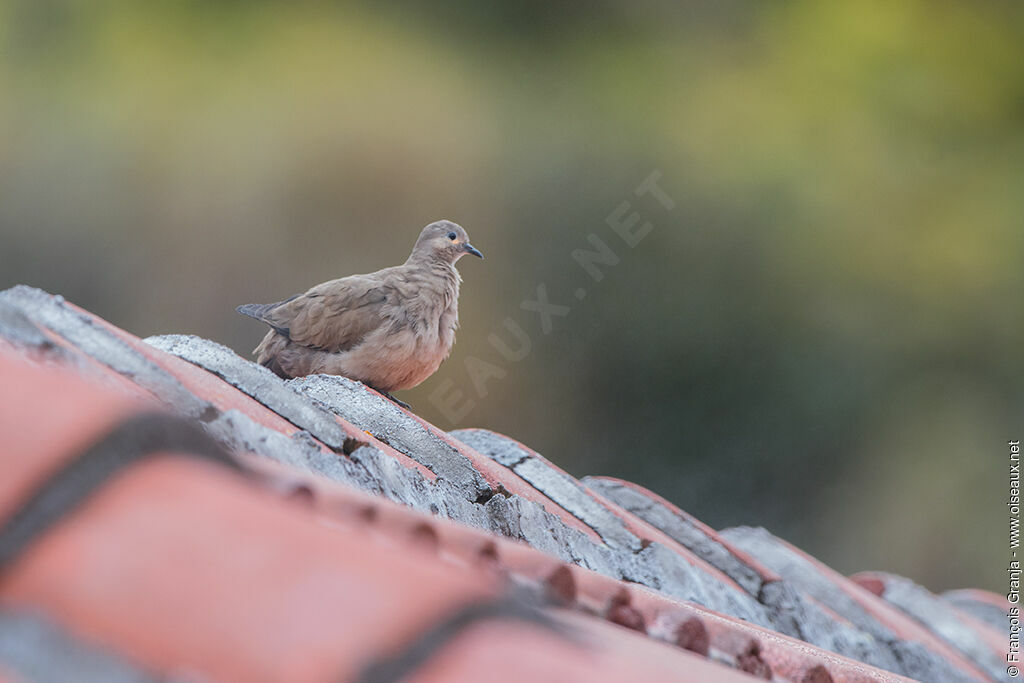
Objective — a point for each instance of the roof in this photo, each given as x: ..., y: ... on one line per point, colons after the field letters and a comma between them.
x: 169, y: 508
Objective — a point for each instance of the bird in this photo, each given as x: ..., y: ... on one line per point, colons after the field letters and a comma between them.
x: 390, y: 329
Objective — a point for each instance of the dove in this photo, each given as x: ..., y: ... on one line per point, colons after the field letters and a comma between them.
x: 390, y: 329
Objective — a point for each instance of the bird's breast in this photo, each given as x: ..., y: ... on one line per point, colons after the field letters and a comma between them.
x: 427, y: 309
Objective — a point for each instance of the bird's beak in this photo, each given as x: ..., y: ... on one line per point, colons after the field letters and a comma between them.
x: 470, y: 249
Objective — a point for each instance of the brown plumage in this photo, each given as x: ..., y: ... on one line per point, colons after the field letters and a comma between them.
x: 390, y: 329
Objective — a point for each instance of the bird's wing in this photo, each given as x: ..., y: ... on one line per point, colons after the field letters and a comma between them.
x: 333, y: 316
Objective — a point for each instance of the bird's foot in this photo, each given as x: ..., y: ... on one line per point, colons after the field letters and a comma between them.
x: 391, y: 398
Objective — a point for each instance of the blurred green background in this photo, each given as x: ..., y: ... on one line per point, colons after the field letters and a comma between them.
x: 823, y: 337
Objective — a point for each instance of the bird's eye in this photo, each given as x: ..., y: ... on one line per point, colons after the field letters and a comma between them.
x: 452, y: 236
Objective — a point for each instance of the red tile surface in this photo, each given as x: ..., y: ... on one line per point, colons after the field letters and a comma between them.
x: 262, y: 592
x: 47, y: 415
x: 606, y: 653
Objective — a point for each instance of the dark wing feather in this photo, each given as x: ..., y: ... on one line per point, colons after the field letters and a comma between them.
x: 260, y: 311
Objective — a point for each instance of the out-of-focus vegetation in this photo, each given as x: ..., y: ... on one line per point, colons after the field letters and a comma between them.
x: 822, y: 337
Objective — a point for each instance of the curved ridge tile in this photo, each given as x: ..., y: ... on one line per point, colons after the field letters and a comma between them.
x: 552, y: 482
x: 685, y: 529
x: 256, y: 382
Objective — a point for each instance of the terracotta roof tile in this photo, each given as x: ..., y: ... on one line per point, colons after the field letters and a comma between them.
x: 362, y: 543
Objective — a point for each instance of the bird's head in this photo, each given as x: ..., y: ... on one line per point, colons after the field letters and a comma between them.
x: 444, y: 241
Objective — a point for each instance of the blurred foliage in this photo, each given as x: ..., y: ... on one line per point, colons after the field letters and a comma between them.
x: 822, y: 337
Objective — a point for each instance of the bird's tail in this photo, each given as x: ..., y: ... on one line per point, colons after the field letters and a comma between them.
x: 255, y: 310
